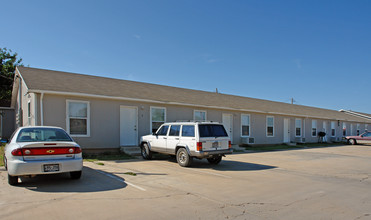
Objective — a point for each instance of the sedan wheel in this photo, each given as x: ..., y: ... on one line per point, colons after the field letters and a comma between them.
x: 75, y: 175
x: 5, y: 165
x: 352, y: 141
x: 12, y: 180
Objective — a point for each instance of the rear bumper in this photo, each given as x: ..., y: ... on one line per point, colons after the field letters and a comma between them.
x: 206, y: 154
x: 20, y: 168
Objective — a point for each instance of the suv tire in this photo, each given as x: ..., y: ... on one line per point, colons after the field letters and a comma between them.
x: 214, y: 160
x: 183, y: 158
x: 146, y: 152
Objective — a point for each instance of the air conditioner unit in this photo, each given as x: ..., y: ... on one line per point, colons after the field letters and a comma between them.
x: 247, y: 140
x: 244, y: 140
x: 303, y: 140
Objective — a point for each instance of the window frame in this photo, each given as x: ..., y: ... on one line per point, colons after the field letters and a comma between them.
x: 194, y: 114
x: 150, y: 116
x: 29, y: 117
x: 68, y: 101
x: 301, y: 126
x: 315, y: 127
x: 248, y: 115
x: 266, y: 126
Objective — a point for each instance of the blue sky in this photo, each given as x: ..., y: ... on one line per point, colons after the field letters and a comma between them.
x: 318, y: 52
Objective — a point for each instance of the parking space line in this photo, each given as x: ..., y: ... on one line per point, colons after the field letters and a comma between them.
x: 120, y: 180
x: 215, y: 174
x: 135, y: 186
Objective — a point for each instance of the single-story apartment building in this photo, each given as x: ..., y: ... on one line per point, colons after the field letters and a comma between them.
x: 105, y: 113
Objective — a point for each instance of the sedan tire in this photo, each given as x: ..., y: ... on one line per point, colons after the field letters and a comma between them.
x: 12, y: 180
x: 352, y: 141
x: 5, y: 165
x: 75, y: 175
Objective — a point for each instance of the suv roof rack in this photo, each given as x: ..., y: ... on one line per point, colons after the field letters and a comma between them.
x: 194, y: 121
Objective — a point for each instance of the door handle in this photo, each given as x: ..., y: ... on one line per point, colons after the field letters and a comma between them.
x: 176, y: 138
x: 165, y: 137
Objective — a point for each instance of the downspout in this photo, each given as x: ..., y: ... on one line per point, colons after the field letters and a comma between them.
x: 1, y: 124
x: 41, y: 109
x: 304, y: 128
x: 20, y: 113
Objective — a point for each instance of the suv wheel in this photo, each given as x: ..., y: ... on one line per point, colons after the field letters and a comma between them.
x: 146, y: 152
x: 183, y: 157
x: 214, y: 160
x: 12, y: 180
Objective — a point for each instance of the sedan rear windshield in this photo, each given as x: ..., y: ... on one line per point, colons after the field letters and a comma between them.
x: 42, y: 134
x: 212, y: 131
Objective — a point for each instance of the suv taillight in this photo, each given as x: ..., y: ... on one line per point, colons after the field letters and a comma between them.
x: 17, y: 152
x: 229, y: 144
x: 199, y: 146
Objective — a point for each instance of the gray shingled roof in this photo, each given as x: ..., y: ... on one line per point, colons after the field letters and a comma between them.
x: 56, y: 81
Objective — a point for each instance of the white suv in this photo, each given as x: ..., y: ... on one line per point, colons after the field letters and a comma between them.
x: 188, y: 140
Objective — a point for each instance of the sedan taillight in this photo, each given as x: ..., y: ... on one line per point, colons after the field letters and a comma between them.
x: 17, y: 152
x: 77, y: 150
x: 50, y: 151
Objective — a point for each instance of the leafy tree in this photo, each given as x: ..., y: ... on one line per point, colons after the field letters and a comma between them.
x: 8, y: 63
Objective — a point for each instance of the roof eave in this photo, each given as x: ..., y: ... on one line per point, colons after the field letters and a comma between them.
x: 174, y: 103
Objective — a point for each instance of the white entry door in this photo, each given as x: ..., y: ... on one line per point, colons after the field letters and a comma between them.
x: 286, y: 130
x: 128, y: 126
x: 228, y: 125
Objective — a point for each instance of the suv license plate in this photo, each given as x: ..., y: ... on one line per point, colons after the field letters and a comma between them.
x: 51, y: 167
x: 215, y: 144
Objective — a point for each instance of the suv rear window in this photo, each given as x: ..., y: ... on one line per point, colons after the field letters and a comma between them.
x: 212, y: 131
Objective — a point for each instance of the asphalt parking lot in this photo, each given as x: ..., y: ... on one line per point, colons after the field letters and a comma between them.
x: 313, y: 183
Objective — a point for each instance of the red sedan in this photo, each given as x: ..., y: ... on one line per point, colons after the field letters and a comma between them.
x: 364, y: 138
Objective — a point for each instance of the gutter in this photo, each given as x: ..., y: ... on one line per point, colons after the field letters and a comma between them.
x: 167, y: 103
x: 355, y: 114
x: 42, y: 109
